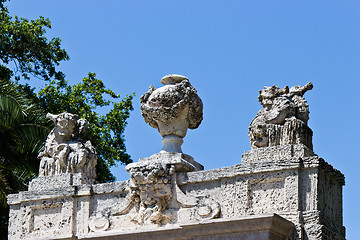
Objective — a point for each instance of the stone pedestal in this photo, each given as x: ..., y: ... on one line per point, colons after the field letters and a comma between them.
x: 182, y: 162
x: 276, y: 152
x: 59, y: 181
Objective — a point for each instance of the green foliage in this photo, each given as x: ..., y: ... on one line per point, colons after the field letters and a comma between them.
x: 23, y: 130
x: 25, y: 52
x: 106, y: 132
x: 23, y: 44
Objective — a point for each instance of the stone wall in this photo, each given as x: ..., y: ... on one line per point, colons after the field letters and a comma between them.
x: 281, y: 190
x: 305, y: 191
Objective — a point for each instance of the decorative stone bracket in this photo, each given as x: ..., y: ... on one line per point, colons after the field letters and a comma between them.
x: 155, y: 194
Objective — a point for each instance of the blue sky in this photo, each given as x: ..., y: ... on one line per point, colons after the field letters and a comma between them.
x: 229, y: 50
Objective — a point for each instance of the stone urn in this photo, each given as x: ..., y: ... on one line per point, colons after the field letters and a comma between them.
x: 172, y: 109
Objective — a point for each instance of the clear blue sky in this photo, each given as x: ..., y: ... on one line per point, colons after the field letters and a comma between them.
x: 229, y: 50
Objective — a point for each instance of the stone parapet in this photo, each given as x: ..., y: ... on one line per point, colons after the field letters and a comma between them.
x: 258, y: 167
x: 306, y: 192
x: 276, y: 152
x: 281, y: 189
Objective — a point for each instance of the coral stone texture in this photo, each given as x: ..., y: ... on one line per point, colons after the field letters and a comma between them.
x: 65, y: 150
x: 283, y: 120
x: 172, y: 109
x: 280, y: 190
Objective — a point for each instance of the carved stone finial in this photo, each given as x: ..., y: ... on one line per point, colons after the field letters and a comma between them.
x: 172, y: 109
x: 284, y: 118
x: 65, y: 150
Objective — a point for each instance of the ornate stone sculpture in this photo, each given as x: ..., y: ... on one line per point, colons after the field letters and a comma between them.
x: 153, y: 188
x: 155, y: 194
x: 172, y: 109
x: 65, y: 150
x: 281, y: 190
x: 283, y: 119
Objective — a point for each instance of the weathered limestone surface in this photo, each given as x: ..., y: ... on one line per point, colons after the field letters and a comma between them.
x: 268, y: 226
x: 283, y: 120
x: 172, y: 109
x: 306, y: 192
x: 267, y: 154
x: 281, y: 191
x: 58, y: 181
x: 65, y: 150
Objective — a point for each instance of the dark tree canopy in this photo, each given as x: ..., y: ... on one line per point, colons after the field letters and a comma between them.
x: 24, y: 45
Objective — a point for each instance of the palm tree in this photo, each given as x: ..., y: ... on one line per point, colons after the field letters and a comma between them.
x: 23, y: 130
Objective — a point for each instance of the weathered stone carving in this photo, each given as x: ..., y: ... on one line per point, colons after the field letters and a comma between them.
x: 153, y: 195
x: 172, y: 109
x: 207, y: 209
x: 279, y: 191
x: 153, y: 189
x: 283, y: 120
x: 65, y: 150
x: 99, y: 223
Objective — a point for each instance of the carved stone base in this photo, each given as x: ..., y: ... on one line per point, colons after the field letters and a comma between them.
x: 59, y: 181
x: 279, y: 152
x: 153, y: 185
x: 182, y: 162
